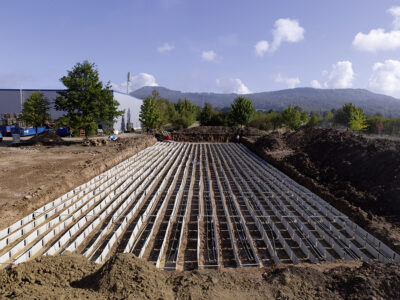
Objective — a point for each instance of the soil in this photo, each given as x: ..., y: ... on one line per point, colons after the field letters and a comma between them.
x: 71, y: 276
x: 45, y: 138
x: 215, y: 134
x: 31, y: 176
x: 358, y: 176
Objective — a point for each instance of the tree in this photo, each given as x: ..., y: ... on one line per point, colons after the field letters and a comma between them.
x: 35, y: 110
x: 128, y: 118
x: 150, y: 116
x: 123, y: 123
x: 358, y: 121
x: 207, y: 115
x: 314, y: 120
x: 86, y: 101
x: 351, y: 116
x: 242, y: 111
x: 186, y: 113
x: 291, y: 117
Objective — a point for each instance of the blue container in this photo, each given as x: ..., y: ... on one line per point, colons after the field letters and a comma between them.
x: 63, y: 131
x: 7, y: 130
x: 27, y: 131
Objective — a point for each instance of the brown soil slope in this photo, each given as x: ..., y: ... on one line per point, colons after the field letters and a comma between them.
x: 31, y: 176
x: 359, y: 176
x: 217, y: 134
x: 127, y: 277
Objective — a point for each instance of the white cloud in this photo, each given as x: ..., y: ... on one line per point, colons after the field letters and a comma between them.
x: 209, y: 55
x: 261, y: 47
x: 341, y: 76
x: 378, y: 39
x: 165, y: 48
x: 386, y: 77
x: 315, y: 84
x: 137, y: 81
x: 291, y: 83
x: 232, y: 85
x: 286, y: 30
x: 395, y: 12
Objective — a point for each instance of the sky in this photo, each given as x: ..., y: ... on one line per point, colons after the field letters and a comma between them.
x: 209, y: 46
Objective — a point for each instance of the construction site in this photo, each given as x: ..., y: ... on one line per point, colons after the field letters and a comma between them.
x: 187, y: 206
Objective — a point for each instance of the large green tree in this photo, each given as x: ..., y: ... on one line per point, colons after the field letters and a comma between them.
x: 351, y: 116
x: 86, y: 100
x: 35, y: 110
x: 242, y: 111
x: 186, y: 113
x: 291, y: 117
x: 150, y: 115
x: 358, y: 121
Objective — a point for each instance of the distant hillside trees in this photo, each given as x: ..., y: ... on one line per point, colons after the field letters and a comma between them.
x: 35, y: 110
x: 86, y: 100
x: 242, y: 111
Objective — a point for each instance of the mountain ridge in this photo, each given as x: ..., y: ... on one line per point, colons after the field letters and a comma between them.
x: 309, y: 99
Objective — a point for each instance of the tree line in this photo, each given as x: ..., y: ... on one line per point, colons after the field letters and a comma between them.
x: 157, y: 112
x: 88, y: 102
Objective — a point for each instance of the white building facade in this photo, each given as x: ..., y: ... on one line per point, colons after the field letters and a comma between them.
x: 11, y: 102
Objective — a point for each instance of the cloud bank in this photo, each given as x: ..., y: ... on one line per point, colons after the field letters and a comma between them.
x: 378, y: 39
x: 137, y: 81
x: 232, y: 85
x: 386, y: 77
x: 291, y: 83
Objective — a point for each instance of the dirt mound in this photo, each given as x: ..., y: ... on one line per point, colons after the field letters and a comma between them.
x: 359, y: 176
x: 215, y: 134
x: 45, y: 138
x: 125, y: 275
x: 374, y: 281
x: 47, y: 277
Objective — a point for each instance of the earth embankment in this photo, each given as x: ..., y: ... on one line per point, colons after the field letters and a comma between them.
x: 216, y: 134
x: 358, y: 176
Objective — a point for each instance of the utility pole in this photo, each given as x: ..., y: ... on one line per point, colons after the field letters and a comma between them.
x: 21, y: 97
x: 128, y: 81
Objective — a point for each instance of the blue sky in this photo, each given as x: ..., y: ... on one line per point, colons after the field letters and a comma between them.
x: 209, y: 45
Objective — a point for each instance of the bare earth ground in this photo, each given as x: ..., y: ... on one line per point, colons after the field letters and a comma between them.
x: 31, y: 176
x: 124, y: 276
x: 358, y: 176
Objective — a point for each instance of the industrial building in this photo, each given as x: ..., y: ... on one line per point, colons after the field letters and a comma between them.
x: 11, y: 102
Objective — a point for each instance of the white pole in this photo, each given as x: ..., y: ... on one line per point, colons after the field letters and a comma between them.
x: 20, y: 95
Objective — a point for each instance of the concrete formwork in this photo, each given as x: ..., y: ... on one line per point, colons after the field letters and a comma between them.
x: 186, y: 206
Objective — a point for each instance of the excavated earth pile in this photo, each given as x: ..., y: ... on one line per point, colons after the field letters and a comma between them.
x: 358, y: 176
x: 220, y: 134
x: 124, y: 276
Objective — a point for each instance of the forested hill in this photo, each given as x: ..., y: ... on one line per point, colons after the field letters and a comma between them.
x: 308, y: 98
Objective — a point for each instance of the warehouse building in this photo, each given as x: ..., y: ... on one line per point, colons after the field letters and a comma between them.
x: 11, y: 102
